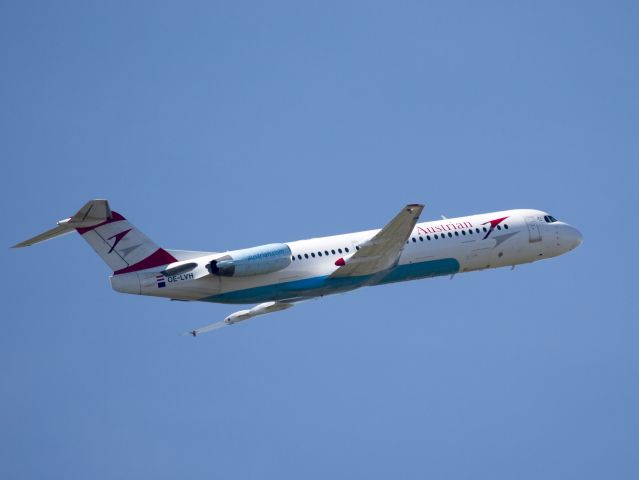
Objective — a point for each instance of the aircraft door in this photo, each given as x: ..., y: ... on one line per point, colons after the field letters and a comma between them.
x: 533, y: 230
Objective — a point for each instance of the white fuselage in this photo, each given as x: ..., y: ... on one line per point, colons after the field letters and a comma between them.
x: 442, y: 247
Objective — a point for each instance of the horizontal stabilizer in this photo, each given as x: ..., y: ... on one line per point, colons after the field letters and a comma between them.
x: 48, y: 235
x: 92, y: 213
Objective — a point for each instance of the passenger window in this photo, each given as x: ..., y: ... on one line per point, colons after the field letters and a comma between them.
x: 293, y: 258
x: 464, y: 232
x: 312, y: 255
x: 506, y: 226
x: 306, y: 255
x: 470, y: 231
x: 326, y: 252
x: 498, y: 227
x: 450, y: 235
x: 319, y: 253
x: 456, y: 233
x: 414, y: 240
x: 339, y: 250
x: 299, y: 257
x: 346, y: 248
x: 428, y: 237
x: 477, y: 230
x: 485, y: 229
x: 333, y: 252
x: 421, y: 239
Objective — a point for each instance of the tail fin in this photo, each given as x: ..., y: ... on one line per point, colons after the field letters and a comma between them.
x: 123, y: 247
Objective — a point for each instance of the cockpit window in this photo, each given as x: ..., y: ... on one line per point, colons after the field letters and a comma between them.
x: 550, y: 219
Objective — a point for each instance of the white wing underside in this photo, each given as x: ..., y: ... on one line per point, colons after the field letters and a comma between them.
x: 242, y: 315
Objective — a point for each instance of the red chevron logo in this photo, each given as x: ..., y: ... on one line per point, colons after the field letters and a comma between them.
x: 493, y: 224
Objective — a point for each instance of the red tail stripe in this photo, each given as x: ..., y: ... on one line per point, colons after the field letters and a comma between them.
x: 156, y: 259
x: 115, y: 217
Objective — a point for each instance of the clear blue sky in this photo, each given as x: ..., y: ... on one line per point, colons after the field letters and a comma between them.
x: 221, y: 125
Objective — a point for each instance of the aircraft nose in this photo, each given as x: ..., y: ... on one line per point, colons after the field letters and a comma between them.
x: 572, y: 237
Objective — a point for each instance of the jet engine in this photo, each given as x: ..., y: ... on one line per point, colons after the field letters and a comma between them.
x: 252, y: 261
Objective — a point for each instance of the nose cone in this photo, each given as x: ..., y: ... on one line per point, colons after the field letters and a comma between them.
x: 571, y: 237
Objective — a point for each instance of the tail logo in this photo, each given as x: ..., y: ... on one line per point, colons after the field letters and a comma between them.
x: 493, y: 225
x: 118, y: 237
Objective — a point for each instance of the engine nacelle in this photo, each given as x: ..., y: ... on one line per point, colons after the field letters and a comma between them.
x: 252, y: 261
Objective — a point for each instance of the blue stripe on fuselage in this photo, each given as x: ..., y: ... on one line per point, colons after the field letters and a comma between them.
x: 324, y: 285
x: 413, y: 271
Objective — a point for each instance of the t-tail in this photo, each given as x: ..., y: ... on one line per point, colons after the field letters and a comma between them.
x: 123, y: 247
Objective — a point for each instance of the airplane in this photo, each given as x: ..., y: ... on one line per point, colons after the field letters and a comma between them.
x: 279, y: 275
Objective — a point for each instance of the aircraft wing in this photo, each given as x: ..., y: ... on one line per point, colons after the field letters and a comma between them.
x: 383, y: 250
x: 242, y: 315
